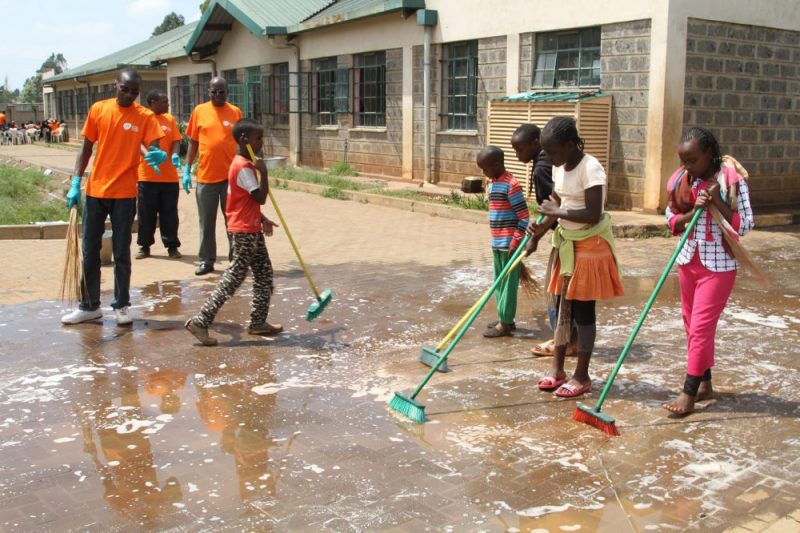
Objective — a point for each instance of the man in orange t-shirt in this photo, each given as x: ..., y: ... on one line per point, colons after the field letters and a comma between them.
x: 210, y: 134
x: 158, y: 191
x: 119, y: 126
x: 3, y: 120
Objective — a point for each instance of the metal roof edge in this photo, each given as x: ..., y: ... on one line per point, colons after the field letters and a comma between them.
x: 551, y: 95
x: 377, y: 8
x: 100, y: 70
x: 234, y: 11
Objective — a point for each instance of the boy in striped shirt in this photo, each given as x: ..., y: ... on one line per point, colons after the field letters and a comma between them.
x: 508, y: 219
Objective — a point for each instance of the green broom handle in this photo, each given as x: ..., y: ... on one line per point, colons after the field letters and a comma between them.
x: 514, y: 261
x: 472, y: 309
x: 286, y: 230
x: 646, y: 310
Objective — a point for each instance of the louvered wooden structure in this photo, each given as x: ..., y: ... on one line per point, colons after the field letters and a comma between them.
x: 591, y: 111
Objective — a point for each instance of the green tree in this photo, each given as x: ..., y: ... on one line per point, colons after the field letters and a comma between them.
x: 204, y: 5
x: 170, y: 22
x: 6, y: 96
x: 32, y: 88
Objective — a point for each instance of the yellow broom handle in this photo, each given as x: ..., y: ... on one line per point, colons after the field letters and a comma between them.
x: 464, y: 318
x: 286, y: 229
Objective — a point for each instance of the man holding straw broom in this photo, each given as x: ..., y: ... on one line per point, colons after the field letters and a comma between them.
x: 119, y: 126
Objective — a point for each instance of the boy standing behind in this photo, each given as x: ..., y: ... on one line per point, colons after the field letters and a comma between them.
x: 508, y: 220
x: 246, y: 230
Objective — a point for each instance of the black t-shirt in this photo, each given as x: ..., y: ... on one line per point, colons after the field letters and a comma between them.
x: 542, y: 177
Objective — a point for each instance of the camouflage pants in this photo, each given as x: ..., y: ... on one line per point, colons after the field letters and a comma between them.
x: 249, y: 252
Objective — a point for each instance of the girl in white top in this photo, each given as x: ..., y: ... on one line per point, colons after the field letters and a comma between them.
x: 583, y: 266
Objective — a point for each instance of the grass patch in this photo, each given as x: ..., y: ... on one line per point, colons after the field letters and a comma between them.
x: 333, y: 192
x: 341, y: 168
x: 28, y: 196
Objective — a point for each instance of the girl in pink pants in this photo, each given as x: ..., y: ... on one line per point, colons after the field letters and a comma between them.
x: 707, y: 268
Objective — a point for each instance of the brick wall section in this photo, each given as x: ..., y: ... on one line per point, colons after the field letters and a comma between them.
x: 453, y: 155
x: 744, y: 83
x: 376, y: 151
x: 624, y: 73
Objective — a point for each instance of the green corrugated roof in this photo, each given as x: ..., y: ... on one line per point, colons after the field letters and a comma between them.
x: 167, y: 45
x: 348, y: 10
x: 255, y: 15
x: 550, y: 96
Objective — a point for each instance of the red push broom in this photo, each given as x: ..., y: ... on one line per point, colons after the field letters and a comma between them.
x: 592, y: 415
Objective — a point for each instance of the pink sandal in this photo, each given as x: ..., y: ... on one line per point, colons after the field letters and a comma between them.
x: 568, y: 390
x: 550, y: 383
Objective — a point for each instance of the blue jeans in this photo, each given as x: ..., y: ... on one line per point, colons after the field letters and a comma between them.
x: 95, y: 212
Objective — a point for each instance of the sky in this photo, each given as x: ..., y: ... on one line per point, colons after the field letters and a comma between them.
x: 82, y: 30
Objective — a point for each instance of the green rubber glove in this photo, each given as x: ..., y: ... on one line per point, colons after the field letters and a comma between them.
x: 187, y: 178
x: 176, y: 161
x: 155, y: 157
x: 74, y: 193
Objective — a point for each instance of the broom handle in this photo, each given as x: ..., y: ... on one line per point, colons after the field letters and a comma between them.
x: 629, y: 343
x: 464, y: 318
x: 515, y: 260
x: 286, y: 230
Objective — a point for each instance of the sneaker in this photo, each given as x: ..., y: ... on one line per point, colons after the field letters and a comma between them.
x: 78, y: 316
x: 144, y: 251
x: 123, y: 318
x: 264, y: 329
x: 173, y: 253
x: 200, y: 333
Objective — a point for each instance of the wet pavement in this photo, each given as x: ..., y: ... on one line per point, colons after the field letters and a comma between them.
x: 124, y: 429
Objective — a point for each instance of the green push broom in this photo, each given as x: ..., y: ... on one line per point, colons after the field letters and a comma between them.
x: 430, y: 356
x: 408, y: 405
x: 592, y: 415
x: 324, y: 298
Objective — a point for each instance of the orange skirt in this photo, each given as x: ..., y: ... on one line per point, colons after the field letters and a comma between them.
x: 595, y: 276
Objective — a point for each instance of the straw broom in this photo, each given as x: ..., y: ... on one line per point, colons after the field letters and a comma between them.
x: 73, y: 262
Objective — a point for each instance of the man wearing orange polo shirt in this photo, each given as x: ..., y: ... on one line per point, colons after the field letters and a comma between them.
x: 2, y: 121
x: 119, y: 126
x: 158, y: 191
x: 210, y: 134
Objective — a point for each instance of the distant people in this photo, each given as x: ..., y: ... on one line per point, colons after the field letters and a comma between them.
x: 158, y: 191
x: 45, y: 130
x: 209, y: 131
x: 119, y: 126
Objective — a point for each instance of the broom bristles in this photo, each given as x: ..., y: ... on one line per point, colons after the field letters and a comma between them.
x: 607, y: 427
x: 527, y: 281
x: 73, y: 262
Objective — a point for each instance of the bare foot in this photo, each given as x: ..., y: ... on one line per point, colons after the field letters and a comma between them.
x: 682, y: 405
x: 705, y: 392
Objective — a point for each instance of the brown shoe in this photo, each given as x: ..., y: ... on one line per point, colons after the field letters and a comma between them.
x: 264, y: 329
x: 200, y: 333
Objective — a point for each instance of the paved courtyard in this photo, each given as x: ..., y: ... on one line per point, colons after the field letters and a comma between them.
x: 140, y: 428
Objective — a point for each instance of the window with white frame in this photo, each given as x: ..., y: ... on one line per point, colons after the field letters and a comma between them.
x: 567, y: 59
x: 460, y: 86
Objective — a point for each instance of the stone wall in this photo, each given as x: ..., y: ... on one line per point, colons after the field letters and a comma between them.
x: 624, y: 73
x: 371, y: 150
x: 743, y: 82
x: 453, y: 153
